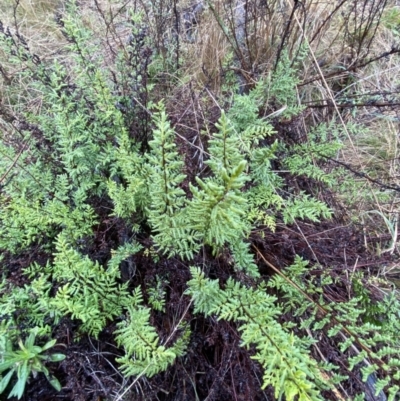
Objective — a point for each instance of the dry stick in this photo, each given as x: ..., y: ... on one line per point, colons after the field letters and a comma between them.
x: 352, y: 67
x: 305, y: 239
x: 324, y: 81
x: 219, y: 375
x: 334, y: 390
x: 13, y: 163
x: 363, y: 175
x: 233, y: 43
x: 180, y: 321
x: 190, y: 143
x: 335, y: 10
x: 368, y: 77
x: 351, y: 105
x: 133, y: 383
x: 359, y: 94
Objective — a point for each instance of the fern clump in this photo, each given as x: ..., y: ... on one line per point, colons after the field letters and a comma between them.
x: 102, y: 212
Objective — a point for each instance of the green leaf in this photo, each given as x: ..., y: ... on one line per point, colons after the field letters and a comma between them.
x: 7, y: 364
x: 54, y: 382
x: 23, y: 373
x: 56, y: 357
x: 48, y: 345
x: 5, y: 380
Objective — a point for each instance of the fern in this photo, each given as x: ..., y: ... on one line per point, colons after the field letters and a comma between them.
x: 218, y: 205
x: 323, y: 142
x: 167, y: 199
x: 123, y: 253
x: 28, y: 306
x: 304, y: 207
x: 157, y: 294
x: 224, y: 153
x: 87, y: 291
x: 378, y: 343
x: 281, y: 84
x: 243, y: 259
x: 216, y: 210
x: 143, y: 352
x: 82, y: 171
x: 127, y: 186
x: 260, y: 165
x: 250, y: 129
x: 284, y: 357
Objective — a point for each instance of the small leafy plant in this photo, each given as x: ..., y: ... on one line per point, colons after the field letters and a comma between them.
x: 28, y: 360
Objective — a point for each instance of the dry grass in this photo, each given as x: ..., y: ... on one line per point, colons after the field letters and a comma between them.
x: 35, y: 20
x: 376, y: 148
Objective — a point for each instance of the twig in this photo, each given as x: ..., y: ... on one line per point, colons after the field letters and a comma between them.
x: 13, y: 164
x: 362, y: 175
x: 351, y: 68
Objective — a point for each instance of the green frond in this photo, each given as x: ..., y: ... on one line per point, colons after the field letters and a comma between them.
x: 157, y: 294
x: 244, y: 260
x: 143, y: 352
x: 305, y: 207
x: 217, y: 210
x: 165, y: 212
x: 284, y: 357
x: 223, y: 149
x: 88, y: 292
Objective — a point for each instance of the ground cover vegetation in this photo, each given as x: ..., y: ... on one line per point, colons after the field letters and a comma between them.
x: 198, y: 201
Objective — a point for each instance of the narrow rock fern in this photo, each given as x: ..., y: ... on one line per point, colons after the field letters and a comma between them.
x: 80, y: 168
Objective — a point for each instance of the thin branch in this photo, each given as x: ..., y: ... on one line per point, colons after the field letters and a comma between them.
x: 352, y: 67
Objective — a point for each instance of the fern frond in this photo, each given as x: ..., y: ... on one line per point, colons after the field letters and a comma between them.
x: 144, y: 353
x: 223, y: 149
x: 89, y: 293
x: 243, y: 258
x: 284, y: 357
x: 165, y: 212
x: 217, y: 210
x: 305, y: 207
